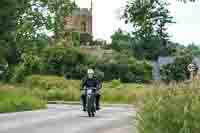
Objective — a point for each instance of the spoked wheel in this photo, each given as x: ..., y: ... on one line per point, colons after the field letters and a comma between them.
x: 91, y: 108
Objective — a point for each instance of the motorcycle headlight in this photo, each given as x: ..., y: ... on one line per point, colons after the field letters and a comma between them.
x: 89, y: 91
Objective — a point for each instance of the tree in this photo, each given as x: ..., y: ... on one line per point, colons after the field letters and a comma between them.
x: 9, y: 13
x: 150, y: 19
x: 121, y: 40
x: 33, y: 23
x: 42, y: 16
x: 193, y: 49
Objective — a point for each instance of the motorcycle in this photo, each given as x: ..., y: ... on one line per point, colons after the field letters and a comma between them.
x: 91, y: 101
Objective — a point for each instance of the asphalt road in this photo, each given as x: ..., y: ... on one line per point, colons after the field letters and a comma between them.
x: 69, y: 119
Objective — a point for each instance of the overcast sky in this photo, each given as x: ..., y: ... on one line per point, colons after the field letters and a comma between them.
x: 106, y: 19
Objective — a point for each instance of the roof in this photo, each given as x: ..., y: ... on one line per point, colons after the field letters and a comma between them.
x: 165, y: 60
x: 196, y: 60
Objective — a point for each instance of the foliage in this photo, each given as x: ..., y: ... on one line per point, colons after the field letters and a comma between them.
x: 140, y: 48
x: 99, y: 42
x: 176, y: 71
x: 126, y: 71
x: 193, y: 49
x: 55, y: 94
x: 149, y: 18
x: 121, y: 40
x: 62, y: 60
x: 39, y: 93
x: 85, y: 38
x: 115, y: 83
x: 32, y: 62
x: 10, y: 10
x: 19, y: 74
x: 99, y: 74
x: 58, y: 88
x: 172, y: 109
x: 76, y: 38
x: 152, y: 49
x: 18, y: 100
x: 29, y: 64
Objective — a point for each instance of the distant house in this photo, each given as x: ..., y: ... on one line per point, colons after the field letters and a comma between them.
x: 169, y: 60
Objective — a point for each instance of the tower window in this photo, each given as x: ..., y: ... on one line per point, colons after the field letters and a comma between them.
x: 83, y: 27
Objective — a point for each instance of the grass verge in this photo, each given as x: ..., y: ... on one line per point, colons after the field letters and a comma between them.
x: 170, y: 109
x: 13, y: 99
x: 57, y: 88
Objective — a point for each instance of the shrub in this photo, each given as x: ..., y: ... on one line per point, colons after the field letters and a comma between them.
x: 170, y: 110
x: 55, y: 94
x: 40, y: 93
x: 76, y: 38
x: 116, y: 83
x: 99, y: 74
x: 32, y: 62
x: 134, y: 72
x: 176, y: 71
x: 60, y: 59
x: 20, y: 73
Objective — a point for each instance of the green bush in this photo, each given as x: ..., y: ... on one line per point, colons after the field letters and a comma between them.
x: 32, y: 62
x: 55, y: 94
x: 59, y: 60
x: 135, y: 72
x: 19, y: 100
x: 173, y: 109
x: 29, y: 64
x: 20, y: 73
x: 40, y: 93
x: 99, y: 74
x: 76, y: 38
x: 176, y: 71
x: 116, y: 83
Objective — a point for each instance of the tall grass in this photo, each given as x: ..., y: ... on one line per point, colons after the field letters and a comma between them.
x: 170, y: 109
x: 14, y: 99
x: 57, y: 88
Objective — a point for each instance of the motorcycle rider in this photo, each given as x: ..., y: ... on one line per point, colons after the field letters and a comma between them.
x: 91, y: 81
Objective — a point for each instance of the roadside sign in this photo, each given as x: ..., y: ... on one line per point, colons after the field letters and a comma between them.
x: 191, y: 67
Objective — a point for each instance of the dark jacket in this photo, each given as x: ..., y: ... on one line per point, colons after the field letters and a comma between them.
x: 94, y: 82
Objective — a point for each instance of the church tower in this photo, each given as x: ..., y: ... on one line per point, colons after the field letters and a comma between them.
x: 81, y: 19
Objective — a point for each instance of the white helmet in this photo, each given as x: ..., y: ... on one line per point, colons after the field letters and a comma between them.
x: 90, y: 73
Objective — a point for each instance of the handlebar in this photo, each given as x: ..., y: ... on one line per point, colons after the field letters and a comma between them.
x: 92, y: 88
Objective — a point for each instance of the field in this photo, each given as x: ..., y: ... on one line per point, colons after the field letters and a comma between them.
x: 160, y: 107
x: 57, y: 88
x: 36, y: 90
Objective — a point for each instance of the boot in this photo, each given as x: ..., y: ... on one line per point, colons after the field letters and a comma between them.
x: 97, y: 102
x: 84, y: 102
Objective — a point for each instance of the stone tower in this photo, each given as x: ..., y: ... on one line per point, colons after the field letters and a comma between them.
x: 81, y: 20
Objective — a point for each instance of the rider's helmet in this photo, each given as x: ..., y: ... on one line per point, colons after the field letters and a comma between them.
x: 90, y: 73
